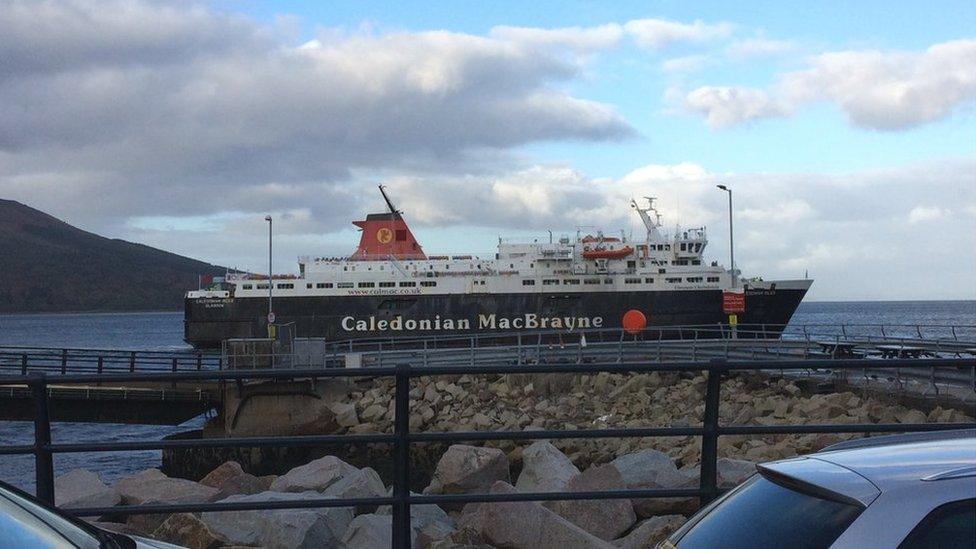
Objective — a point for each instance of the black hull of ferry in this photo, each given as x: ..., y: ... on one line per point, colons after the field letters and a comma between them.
x: 209, y: 321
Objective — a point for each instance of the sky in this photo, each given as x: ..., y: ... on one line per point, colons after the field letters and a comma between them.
x: 847, y: 130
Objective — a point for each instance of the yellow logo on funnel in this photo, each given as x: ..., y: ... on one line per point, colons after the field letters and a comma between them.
x: 384, y: 236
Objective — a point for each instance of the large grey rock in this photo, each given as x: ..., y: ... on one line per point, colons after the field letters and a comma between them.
x: 653, y: 470
x: 429, y: 522
x: 468, y: 469
x: 731, y: 472
x: 315, y: 475
x: 605, y: 519
x: 544, y: 469
x: 651, y: 531
x: 152, y: 485
x: 188, y: 530
x: 647, y: 468
x: 362, y: 483
x: 368, y: 532
x: 280, y: 528
x: 83, y: 488
x: 230, y: 479
x: 527, y: 525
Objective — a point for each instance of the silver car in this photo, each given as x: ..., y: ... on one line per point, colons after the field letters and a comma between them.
x: 903, y: 491
x: 26, y: 522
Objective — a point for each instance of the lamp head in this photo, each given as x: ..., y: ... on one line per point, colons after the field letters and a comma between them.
x: 723, y: 187
x: 267, y: 218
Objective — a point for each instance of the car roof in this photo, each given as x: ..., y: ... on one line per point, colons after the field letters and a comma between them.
x: 887, y: 465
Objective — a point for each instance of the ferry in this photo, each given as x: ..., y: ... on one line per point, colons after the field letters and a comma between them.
x: 391, y: 288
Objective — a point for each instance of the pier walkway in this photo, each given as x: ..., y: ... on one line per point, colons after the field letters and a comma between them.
x: 166, y: 402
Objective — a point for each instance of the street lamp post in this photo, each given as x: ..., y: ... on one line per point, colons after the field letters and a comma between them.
x: 731, y: 247
x: 270, y: 279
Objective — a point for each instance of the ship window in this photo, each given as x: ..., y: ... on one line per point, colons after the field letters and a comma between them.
x: 662, y: 271
x: 408, y: 284
x: 649, y: 281
x: 344, y: 285
x: 367, y: 284
x: 401, y: 235
x: 572, y: 281
x: 673, y: 280
x: 308, y: 284
x: 550, y: 282
x: 591, y: 281
x: 428, y: 283
x: 682, y: 246
x: 323, y: 285
x: 344, y: 268
x: 262, y: 286
x: 285, y: 286
x: 667, y: 247
x: 631, y: 264
x: 248, y: 286
x: 694, y: 279
x: 528, y: 282
x: 632, y: 280
x: 608, y: 281
x: 387, y: 284
x: 713, y: 279
x: 696, y: 262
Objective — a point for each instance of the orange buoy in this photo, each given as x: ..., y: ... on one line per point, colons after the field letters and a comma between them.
x: 634, y: 321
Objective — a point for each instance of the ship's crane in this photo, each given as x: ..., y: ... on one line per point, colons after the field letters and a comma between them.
x: 653, y: 234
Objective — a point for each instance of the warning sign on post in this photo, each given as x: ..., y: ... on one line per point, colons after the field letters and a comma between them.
x: 733, y: 302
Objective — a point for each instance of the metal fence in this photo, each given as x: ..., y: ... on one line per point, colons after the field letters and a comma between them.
x: 402, y: 438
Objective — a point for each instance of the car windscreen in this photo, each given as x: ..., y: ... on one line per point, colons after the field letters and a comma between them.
x: 761, y: 513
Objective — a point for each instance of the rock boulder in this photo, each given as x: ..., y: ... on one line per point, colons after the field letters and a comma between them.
x: 230, y: 479
x: 605, y: 519
x: 468, y: 469
x: 648, y: 533
x: 83, y: 488
x: 544, y: 469
x: 315, y: 475
x: 280, y: 528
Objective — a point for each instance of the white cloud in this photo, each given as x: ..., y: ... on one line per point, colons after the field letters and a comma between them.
x: 890, y: 90
x: 758, y: 46
x: 658, y: 34
x: 686, y: 64
x: 875, y: 90
x: 135, y: 108
x: 788, y: 211
x: 725, y: 106
x: 579, y: 39
x: 920, y: 214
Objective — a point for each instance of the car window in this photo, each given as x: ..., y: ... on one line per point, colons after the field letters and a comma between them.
x: 761, y: 514
x: 946, y: 527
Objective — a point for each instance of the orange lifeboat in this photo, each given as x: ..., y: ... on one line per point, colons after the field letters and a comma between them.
x: 603, y: 253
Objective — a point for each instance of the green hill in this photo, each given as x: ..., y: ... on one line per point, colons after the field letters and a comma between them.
x: 47, y: 265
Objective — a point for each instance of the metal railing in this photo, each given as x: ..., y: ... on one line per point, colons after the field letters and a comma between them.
x: 80, y: 360
x: 402, y: 438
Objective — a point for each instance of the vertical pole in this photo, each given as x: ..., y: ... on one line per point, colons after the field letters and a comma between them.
x: 199, y: 361
x: 731, y: 246
x: 43, y: 460
x: 101, y: 364
x: 270, y: 277
x: 64, y: 361
x: 708, y: 481
x: 401, y: 459
x: 132, y: 361
x: 23, y: 364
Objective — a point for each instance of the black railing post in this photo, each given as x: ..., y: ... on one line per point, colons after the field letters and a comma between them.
x: 401, y: 459
x: 64, y: 361
x: 43, y: 460
x: 132, y: 361
x: 23, y: 364
x: 708, y: 480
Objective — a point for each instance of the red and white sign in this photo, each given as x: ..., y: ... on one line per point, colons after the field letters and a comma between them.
x: 733, y: 302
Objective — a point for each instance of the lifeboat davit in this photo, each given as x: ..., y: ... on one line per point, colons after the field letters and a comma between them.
x: 603, y: 253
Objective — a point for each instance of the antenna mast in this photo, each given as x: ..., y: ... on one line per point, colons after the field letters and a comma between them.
x: 389, y: 202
